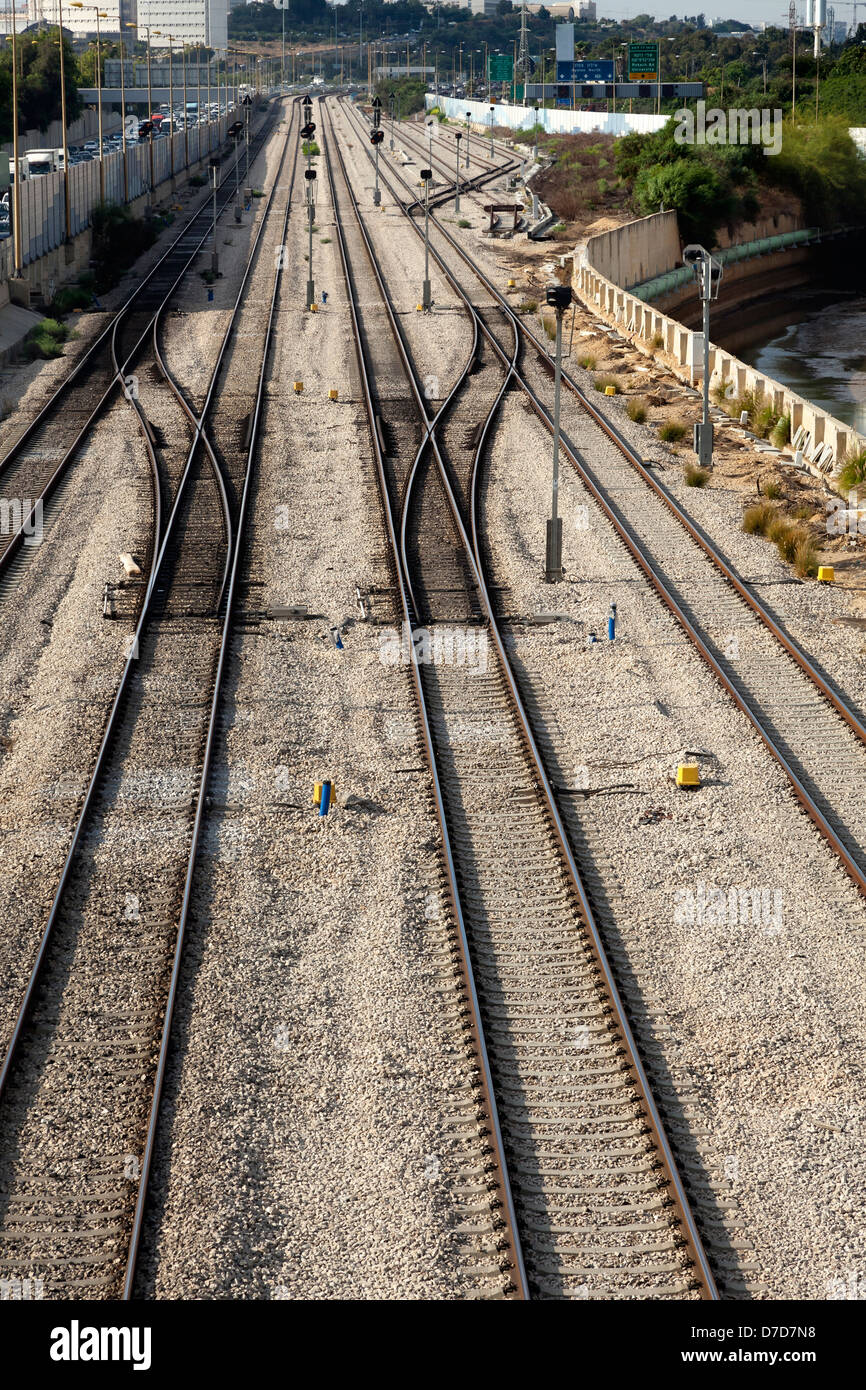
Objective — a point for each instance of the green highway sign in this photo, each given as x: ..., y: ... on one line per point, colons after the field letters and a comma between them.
x: 643, y: 62
x: 500, y: 67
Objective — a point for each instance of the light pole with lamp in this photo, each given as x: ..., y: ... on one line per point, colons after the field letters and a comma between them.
x: 468, y: 119
x: 100, y: 14
x: 66, y: 205
x: 535, y: 146
x: 458, y: 136
x: 492, y: 109
x: 16, y: 189
x: 708, y: 273
x: 171, y: 106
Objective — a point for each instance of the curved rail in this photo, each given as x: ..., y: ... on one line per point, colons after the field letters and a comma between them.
x: 108, y: 739
x: 664, y: 1149
x: 653, y: 573
x: 106, y: 340
x: 513, y: 1238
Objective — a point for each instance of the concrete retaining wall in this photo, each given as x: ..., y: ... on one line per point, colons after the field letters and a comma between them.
x: 644, y: 323
x: 638, y: 251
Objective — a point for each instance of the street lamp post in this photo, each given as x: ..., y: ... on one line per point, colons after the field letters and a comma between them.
x: 214, y: 259
x: 492, y: 109
x: 171, y: 105
x: 16, y: 190
x: 185, y: 113
x: 66, y: 205
x: 535, y: 146
x: 708, y: 273
x: 559, y: 298
x: 426, y: 299
x: 123, y: 114
x: 100, y: 14
x: 468, y: 119
x: 458, y: 136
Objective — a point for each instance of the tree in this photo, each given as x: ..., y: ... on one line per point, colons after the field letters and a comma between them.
x: 38, y: 84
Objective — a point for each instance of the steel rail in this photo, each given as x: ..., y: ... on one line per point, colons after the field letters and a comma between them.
x: 512, y: 1235
x: 655, y: 577
x: 101, y: 760
x: 201, y: 801
x: 662, y: 1143
x: 107, y: 338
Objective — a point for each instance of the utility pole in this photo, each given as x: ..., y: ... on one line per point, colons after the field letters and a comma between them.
x: 426, y: 298
x: 214, y: 169
x: 708, y: 273
x: 458, y: 136
x: 16, y: 190
x: 308, y: 130
x: 559, y: 298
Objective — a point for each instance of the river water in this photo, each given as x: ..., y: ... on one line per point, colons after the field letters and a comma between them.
x: 822, y: 357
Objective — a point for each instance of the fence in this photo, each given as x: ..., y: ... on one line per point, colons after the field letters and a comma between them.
x: 43, y: 207
x: 86, y: 127
x: 554, y: 122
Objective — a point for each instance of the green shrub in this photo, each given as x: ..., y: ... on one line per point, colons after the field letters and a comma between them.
x: 853, y: 471
x: 46, y: 339
x: 197, y: 180
x: 637, y: 409
x: 773, y: 490
x: 806, y: 558
x: 672, y: 431
x: 310, y: 147
x: 528, y: 306
x: 461, y: 222
x: 658, y: 340
x: 693, y: 476
x: 758, y: 519
x: 71, y: 297
x: 118, y: 240
x: 781, y: 432
x: 765, y: 421
x: 601, y: 383
x: 587, y: 361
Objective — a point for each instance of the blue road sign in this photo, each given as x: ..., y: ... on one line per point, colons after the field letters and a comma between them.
x: 601, y: 71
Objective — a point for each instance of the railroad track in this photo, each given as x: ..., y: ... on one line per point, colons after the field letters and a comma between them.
x: 586, y: 1200
x: 38, y: 462
x: 808, y: 725
x: 85, y: 1058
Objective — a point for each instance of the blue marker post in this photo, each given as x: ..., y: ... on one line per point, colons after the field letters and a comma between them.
x: 611, y: 622
x: 338, y: 641
x: 325, y: 801
x: 324, y: 296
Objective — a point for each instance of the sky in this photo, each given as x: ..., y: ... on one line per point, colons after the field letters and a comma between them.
x: 752, y: 11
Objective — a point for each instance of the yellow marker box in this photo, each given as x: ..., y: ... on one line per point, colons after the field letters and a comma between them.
x: 826, y: 574
x: 688, y: 775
